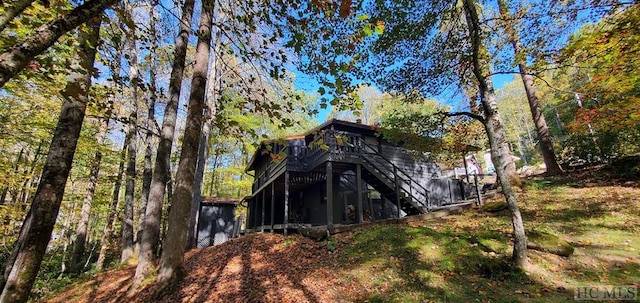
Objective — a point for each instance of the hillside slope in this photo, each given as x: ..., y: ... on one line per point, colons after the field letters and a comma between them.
x: 460, y: 258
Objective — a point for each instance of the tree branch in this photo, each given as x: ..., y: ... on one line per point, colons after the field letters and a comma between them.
x: 466, y: 114
x: 14, y: 59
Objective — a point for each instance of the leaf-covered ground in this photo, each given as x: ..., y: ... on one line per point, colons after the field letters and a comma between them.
x: 461, y: 258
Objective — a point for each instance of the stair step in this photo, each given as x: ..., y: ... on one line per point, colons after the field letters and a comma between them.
x: 380, y: 177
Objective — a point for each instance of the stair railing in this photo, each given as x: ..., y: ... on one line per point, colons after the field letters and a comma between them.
x: 420, y: 191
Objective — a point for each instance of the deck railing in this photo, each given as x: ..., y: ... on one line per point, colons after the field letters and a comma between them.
x: 404, y: 181
x: 334, y: 143
x: 272, y: 168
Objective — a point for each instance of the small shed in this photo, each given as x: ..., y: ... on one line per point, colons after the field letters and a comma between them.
x: 217, y: 221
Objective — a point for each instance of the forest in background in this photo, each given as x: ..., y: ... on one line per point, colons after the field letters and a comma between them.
x: 586, y: 89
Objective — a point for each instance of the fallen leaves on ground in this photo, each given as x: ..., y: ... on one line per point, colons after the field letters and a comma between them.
x: 253, y: 268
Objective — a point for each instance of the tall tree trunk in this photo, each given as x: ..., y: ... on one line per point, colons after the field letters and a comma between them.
x: 14, y: 59
x: 105, y: 240
x: 83, y: 223
x: 147, y: 172
x: 495, y: 132
x: 113, y: 209
x: 197, y: 184
x: 132, y: 151
x: 162, y: 169
x: 172, y: 260
x: 165, y: 213
x: 544, y: 137
x: 203, y: 150
x: 38, y: 225
x: 12, y: 11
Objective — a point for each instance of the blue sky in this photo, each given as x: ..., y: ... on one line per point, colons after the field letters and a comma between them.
x: 308, y: 84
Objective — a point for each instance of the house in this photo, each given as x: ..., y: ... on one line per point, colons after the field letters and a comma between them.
x: 217, y: 221
x: 342, y: 173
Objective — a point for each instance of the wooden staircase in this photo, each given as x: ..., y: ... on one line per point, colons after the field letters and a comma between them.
x: 392, y: 182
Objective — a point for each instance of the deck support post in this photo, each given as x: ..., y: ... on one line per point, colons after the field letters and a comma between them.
x: 466, y: 167
x: 255, y: 216
x: 329, y: 172
x: 478, y: 190
x: 262, y: 220
x: 359, y: 191
x: 372, y: 214
x: 397, y: 185
x: 286, y: 202
x: 273, y: 205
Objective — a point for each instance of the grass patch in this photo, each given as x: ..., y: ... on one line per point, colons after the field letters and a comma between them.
x: 466, y: 257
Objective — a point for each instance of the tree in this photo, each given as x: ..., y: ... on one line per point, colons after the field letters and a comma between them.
x: 211, y: 98
x: 37, y: 227
x: 495, y: 130
x: 151, y: 125
x: 114, y: 62
x: 544, y: 137
x: 162, y: 171
x: 14, y: 59
x: 172, y: 260
x: 518, y: 123
x: 132, y: 132
x: 111, y: 216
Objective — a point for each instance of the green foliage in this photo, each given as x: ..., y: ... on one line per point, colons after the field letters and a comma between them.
x: 12, y: 215
x: 331, y: 244
x: 239, y: 126
x: 28, y: 111
x: 288, y: 242
x: 519, y: 126
x: 601, y: 118
x: 49, y: 279
x: 423, y: 126
x: 51, y: 63
x: 412, y: 120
